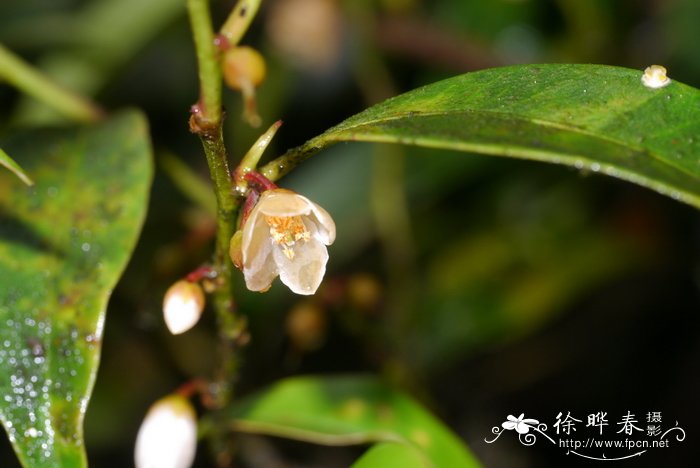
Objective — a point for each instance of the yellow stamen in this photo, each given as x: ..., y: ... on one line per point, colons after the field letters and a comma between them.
x: 286, y: 231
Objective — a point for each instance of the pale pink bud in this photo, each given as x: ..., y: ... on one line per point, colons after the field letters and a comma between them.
x: 182, y: 306
x: 168, y: 435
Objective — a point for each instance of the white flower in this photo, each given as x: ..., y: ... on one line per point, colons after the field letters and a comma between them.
x: 168, y: 435
x: 522, y: 426
x: 655, y: 77
x: 286, y: 234
x: 182, y: 306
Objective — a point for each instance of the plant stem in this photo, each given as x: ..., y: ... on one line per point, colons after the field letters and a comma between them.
x: 206, y: 121
x: 209, y: 110
x: 239, y: 20
x: 24, y: 77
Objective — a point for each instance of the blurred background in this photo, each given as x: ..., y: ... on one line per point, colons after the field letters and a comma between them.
x: 483, y: 286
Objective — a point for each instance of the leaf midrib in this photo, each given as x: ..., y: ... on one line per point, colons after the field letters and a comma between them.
x: 516, y: 117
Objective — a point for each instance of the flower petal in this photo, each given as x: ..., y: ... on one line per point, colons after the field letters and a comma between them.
x: 304, y: 273
x: 282, y: 202
x: 509, y: 425
x: 286, y: 203
x: 259, y: 266
x: 325, y: 224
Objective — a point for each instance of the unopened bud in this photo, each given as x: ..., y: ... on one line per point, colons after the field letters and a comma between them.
x: 182, y: 306
x: 244, y: 68
x: 167, y: 437
x: 655, y: 77
x: 243, y: 65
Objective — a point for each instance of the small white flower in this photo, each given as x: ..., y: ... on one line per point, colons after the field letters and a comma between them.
x: 286, y: 234
x: 521, y: 426
x: 168, y: 435
x: 655, y: 77
x: 182, y: 306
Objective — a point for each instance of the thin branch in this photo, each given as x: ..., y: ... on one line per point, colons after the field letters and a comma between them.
x: 208, y: 112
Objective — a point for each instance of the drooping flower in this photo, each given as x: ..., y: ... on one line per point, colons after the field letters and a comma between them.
x: 182, y: 306
x: 286, y: 234
x: 521, y: 425
x: 167, y: 437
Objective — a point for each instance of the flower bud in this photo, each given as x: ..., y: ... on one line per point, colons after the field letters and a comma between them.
x: 182, y: 306
x: 242, y: 66
x: 244, y: 69
x: 167, y: 437
x: 655, y: 77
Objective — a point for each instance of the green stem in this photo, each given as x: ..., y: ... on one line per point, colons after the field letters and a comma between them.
x: 207, y: 123
x: 230, y: 325
x: 24, y: 77
x: 281, y: 165
x: 239, y: 20
x: 209, y: 111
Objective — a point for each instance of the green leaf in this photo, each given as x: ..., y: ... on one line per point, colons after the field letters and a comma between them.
x: 346, y: 411
x: 388, y: 454
x: 593, y: 117
x: 63, y: 244
x: 10, y: 164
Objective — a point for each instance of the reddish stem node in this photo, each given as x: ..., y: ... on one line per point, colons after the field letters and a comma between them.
x: 202, y: 272
x: 259, y: 181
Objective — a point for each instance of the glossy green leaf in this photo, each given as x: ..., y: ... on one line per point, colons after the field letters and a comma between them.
x: 10, y: 164
x: 593, y: 117
x: 388, y: 454
x: 346, y: 411
x: 63, y: 245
